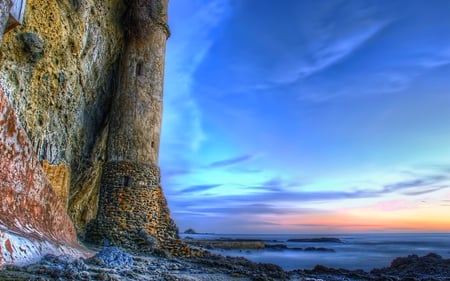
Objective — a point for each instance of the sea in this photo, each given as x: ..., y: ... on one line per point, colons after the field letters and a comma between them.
x: 356, y: 251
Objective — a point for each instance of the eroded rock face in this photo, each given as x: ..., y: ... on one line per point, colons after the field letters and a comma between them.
x: 33, y: 222
x: 60, y: 72
x: 56, y: 70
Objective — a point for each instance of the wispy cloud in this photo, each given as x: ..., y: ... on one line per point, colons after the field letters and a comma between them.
x: 330, y: 40
x: 257, y: 209
x: 331, y: 50
x: 318, y: 40
x: 418, y: 182
x: 274, y: 195
x: 186, y: 49
x: 402, y: 68
x: 231, y: 161
x: 199, y: 188
x: 445, y: 203
x: 426, y: 191
x: 168, y: 172
x: 434, y: 59
x: 276, y: 185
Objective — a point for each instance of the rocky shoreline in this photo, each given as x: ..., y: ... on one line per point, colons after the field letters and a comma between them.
x: 255, y: 244
x: 227, y: 244
x: 113, y: 264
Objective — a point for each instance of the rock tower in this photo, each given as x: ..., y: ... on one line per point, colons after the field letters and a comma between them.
x: 133, y: 212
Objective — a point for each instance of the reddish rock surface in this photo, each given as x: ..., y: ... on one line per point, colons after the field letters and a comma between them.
x: 33, y: 221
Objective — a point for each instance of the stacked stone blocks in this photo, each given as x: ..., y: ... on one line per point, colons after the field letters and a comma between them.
x: 132, y: 207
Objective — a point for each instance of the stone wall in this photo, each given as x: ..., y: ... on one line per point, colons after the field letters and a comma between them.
x: 133, y: 212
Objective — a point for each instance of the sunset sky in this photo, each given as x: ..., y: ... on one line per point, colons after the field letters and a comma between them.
x: 295, y: 116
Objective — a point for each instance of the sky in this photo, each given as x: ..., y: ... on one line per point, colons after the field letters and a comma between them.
x: 298, y: 116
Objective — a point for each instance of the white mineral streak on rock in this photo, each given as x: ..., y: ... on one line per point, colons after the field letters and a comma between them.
x: 21, y: 250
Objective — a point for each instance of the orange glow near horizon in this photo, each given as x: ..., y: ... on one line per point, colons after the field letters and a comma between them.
x: 374, y: 218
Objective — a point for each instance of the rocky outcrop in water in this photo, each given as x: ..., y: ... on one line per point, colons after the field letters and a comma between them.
x: 228, y: 244
x: 410, y: 268
x: 316, y: 240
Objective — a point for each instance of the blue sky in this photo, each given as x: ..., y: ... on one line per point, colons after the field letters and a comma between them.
x: 307, y: 116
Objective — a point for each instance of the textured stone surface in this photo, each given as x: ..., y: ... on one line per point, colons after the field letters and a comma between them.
x: 33, y: 221
x: 56, y: 70
x: 132, y: 206
x: 85, y: 187
x: 113, y: 257
x: 136, y: 121
x: 59, y: 177
x: 115, y: 264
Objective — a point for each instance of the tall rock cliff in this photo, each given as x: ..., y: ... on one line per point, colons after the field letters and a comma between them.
x: 58, y: 72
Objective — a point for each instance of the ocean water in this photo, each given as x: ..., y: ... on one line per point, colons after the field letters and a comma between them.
x: 357, y: 251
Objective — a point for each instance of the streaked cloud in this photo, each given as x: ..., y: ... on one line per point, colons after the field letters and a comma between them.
x: 199, y: 188
x: 274, y: 196
x: 231, y: 161
x: 257, y: 209
x: 328, y: 51
x: 426, y: 191
x: 186, y: 50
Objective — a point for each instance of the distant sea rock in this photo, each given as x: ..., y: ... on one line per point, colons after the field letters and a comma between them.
x: 316, y: 240
x: 275, y: 246
x: 307, y: 249
x: 190, y: 231
x: 227, y: 244
x: 319, y: 249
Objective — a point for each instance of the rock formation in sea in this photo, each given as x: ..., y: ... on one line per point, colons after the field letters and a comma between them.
x: 77, y: 80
